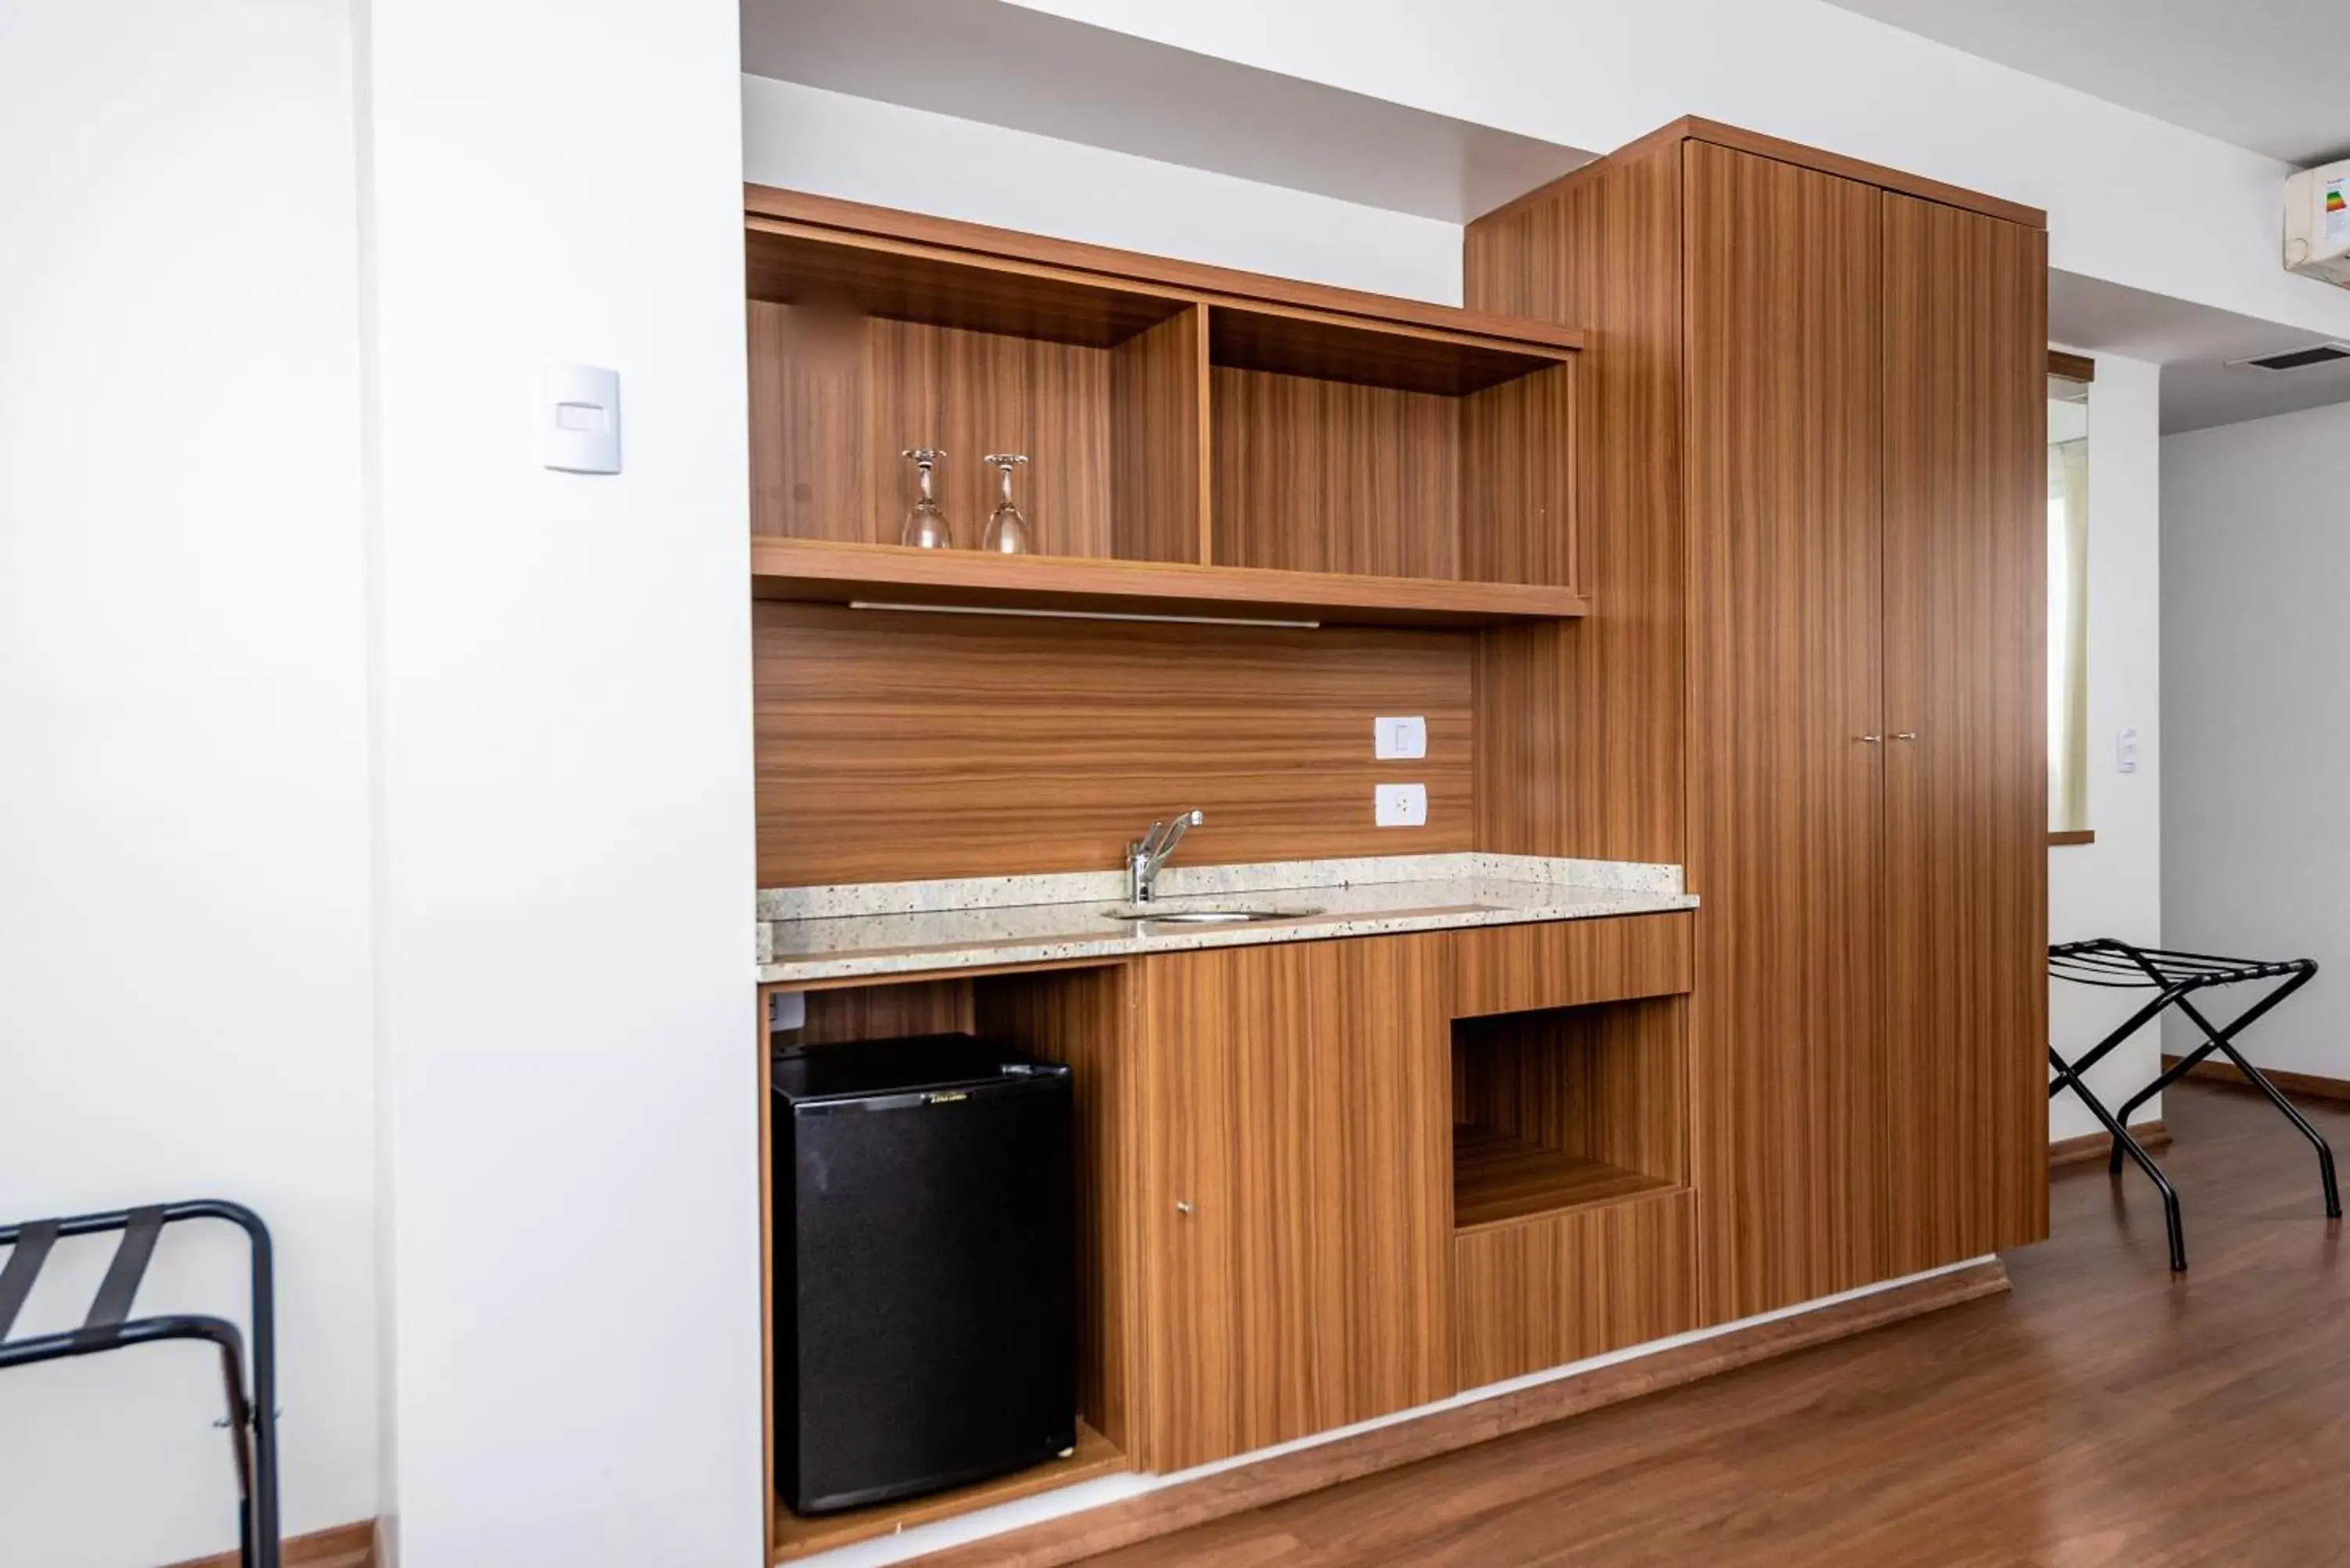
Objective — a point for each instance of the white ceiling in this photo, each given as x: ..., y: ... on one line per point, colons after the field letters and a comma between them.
x: 2194, y: 344
x: 1026, y: 70
x: 2251, y: 71
x: 2263, y: 74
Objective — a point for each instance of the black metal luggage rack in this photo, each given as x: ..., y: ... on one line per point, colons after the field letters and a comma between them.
x: 252, y: 1423
x: 2175, y: 976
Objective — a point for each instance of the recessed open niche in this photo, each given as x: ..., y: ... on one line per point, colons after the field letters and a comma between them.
x: 1068, y: 1015
x: 1563, y: 1109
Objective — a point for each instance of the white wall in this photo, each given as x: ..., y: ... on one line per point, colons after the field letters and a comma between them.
x: 183, y: 813
x: 2256, y: 653
x: 2131, y: 198
x: 566, y: 867
x: 2113, y: 888
x: 833, y: 144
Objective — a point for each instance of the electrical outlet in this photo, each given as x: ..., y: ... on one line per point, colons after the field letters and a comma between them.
x: 2125, y: 751
x: 1395, y: 738
x: 1400, y: 804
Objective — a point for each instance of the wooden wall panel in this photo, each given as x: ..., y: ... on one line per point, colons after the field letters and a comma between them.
x: 810, y: 425
x: 1158, y: 474
x: 1087, y: 1019
x: 972, y: 393
x: 1518, y: 481
x: 1297, y: 1106
x: 1783, y: 350
x: 1582, y: 724
x: 1569, y: 963
x: 1966, y: 870
x: 1329, y: 476
x: 885, y: 1012
x: 899, y: 746
x: 1542, y: 1292
x: 833, y: 407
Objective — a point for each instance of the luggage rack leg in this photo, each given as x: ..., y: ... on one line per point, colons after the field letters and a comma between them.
x: 2223, y: 1042
x: 2260, y: 1080
x: 2317, y: 1140
x: 2174, y: 1229
x: 252, y: 1422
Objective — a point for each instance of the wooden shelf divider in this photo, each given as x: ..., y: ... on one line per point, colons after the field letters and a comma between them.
x: 831, y: 572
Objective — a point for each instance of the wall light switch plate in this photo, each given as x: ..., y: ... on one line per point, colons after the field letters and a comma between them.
x: 1399, y: 805
x: 1392, y: 739
x: 579, y: 418
x: 2125, y: 751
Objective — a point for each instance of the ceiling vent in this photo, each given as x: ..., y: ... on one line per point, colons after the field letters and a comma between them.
x: 2299, y: 358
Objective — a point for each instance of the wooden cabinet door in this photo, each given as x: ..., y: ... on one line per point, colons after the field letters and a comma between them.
x: 1298, y: 1197
x: 1966, y: 562
x: 1780, y: 355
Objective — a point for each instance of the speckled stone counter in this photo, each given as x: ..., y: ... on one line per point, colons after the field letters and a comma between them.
x: 808, y: 934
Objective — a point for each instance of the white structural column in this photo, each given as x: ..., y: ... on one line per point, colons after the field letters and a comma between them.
x: 563, y: 859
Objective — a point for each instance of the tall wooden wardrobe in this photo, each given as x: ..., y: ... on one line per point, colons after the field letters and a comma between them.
x: 1814, y: 517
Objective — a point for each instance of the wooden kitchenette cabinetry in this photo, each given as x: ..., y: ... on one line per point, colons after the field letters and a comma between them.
x: 1272, y: 1143
x: 1966, y: 818
x: 1383, y: 1169
x: 1710, y: 536
x: 1297, y: 1221
x: 1817, y: 385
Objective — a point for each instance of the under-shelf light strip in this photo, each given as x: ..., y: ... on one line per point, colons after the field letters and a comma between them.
x: 1088, y: 614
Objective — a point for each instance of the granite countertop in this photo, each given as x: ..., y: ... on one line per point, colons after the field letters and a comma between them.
x: 808, y: 934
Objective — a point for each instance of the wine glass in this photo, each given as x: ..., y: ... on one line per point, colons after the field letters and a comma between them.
x: 1007, y: 531
x: 925, y: 526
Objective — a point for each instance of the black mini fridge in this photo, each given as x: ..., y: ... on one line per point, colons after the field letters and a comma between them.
x: 925, y: 1268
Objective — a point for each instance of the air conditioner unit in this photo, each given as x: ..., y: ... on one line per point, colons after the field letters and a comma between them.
x: 2317, y: 223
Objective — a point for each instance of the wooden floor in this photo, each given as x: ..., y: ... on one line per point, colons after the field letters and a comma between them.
x: 2101, y: 1413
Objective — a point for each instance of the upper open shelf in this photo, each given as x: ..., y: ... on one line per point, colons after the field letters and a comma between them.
x: 795, y: 265
x: 1200, y: 442
x: 825, y: 573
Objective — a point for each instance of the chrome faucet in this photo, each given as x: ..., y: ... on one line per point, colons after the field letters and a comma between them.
x: 1144, y: 857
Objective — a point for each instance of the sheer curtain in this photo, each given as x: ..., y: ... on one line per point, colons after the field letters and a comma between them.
x: 2068, y: 635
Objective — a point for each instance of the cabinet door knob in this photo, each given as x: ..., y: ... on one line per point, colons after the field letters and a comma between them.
x: 1182, y: 1206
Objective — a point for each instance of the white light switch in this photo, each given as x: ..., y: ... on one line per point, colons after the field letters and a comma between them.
x: 1397, y: 738
x: 579, y: 418
x: 1399, y: 805
x: 2125, y: 751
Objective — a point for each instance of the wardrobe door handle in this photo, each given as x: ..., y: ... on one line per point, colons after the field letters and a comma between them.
x: 1907, y: 735
x: 1869, y: 740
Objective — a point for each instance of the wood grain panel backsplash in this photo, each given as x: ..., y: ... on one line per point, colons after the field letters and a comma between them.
x: 896, y: 746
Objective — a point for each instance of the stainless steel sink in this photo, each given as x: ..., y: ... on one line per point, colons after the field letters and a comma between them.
x: 1210, y: 914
